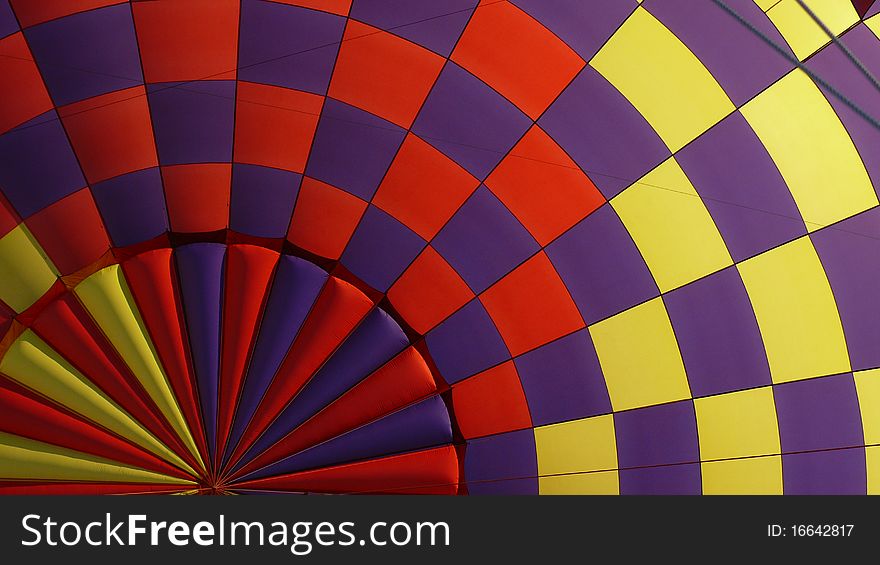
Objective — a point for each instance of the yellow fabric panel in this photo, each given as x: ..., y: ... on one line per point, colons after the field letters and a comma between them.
x: 22, y: 458
x: 660, y: 76
x: 759, y: 475
x: 671, y: 227
x: 868, y: 388
x: 796, y: 312
x: 737, y: 424
x: 802, y: 34
x: 640, y: 358
x: 576, y: 447
x: 873, y: 461
x: 873, y: 24
x: 27, y: 271
x: 812, y: 149
x: 106, y: 296
x: 31, y: 362
x: 604, y: 482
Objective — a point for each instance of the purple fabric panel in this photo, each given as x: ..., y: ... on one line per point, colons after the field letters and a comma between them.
x: 132, y: 206
x: 718, y: 334
x: 849, y: 253
x: 8, y: 24
x: 483, y: 241
x: 200, y: 271
x: 658, y: 435
x: 469, y: 122
x: 742, y: 188
x: 584, y: 26
x: 466, y: 343
x: 819, y: 413
x: 668, y: 480
x: 422, y: 425
x: 294, y: 290
x: 353, y: 149
x: 192, y: 121
x: 825, y: 472
x: 436, y: 24
x: 710, y: 33
x: 376, y: 340
x: 502, y: 464
x: 605, y: 135
x: 380, y: 249
x: 37, y: 165
x: 287, y: 45
x: 563, y: 380
x: 262, y: 200
x: 87, y: 54
x: 601, y: 266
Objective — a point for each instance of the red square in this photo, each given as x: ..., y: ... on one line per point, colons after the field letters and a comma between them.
x: 33, y: 12
x: 22, y: 90
x: 423, y: 187
x: 192, y: 40
x: 274, y: 126
x: 517, y: 56
x: 491, y: 402
x: 71, y: 232
x: 111, y: 134
x: 8, y: 217
x: 338, y: 7
x: 543, y: 187
x: 383, y: 74
x: 197, y: 196
x: 531, y: 306
x: 428, y: 291
x: 324, y: 218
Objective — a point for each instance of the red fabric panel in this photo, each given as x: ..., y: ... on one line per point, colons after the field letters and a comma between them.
x: 491, y: 402
x: 23, y: 93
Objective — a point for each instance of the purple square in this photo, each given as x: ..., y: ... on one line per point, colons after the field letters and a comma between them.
x: 380, y: 249
x: 466, y: 343
x: 742, y: 188
x: 718, y: 334
x: 193, y: 121
x: 819, y: 413
x: 353, y: 149
x: 825, y: 472
x: 483, y: 241
x: 87, y: 54
x: 657, y: 435
x: 436, y: 24
x: 262, y: 200
x: 709, y: 33
x: 849, y: 252
x: 469, y: 122
x: 8, y: 23
x: 132, y: 206
x: 669, y: 480
x: 584, y: 26
x: 502, y: 464
x: 601, y: 266
x: 37, y: 165
x: 287, y: 45
x: 563, y: 380
x: 610, y: 140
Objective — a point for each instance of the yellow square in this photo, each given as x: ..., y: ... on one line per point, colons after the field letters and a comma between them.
x: 759, y: 475
x: 603, y: 482
x: 27, y: 271
x: 576, y: 447
x: 872, y: 455
x: 796, y: 312
x: 671, y: 227
x: 640, y: 358
x: 812, y: 150
x: 663, y: 79
x: 868, y: 388
x: 738, y: 424
x: 802, y: 34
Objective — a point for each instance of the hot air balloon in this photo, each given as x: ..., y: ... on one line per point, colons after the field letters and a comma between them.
x: 439, y: 246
